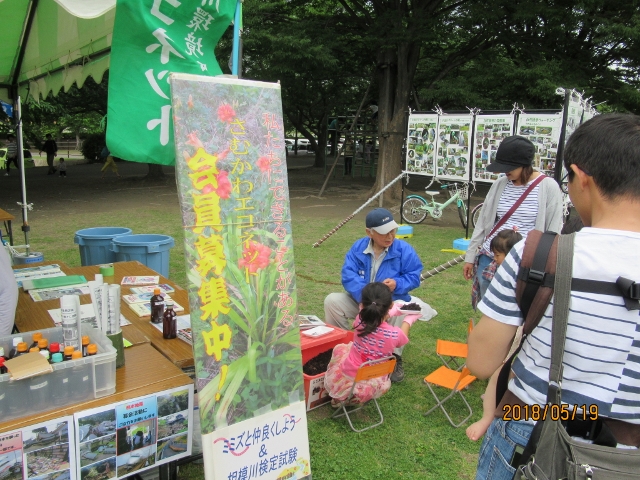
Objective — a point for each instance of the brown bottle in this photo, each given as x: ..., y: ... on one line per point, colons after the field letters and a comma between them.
x: 157, y: 306
x: 43, y: 344
x: 76, y: 355
x: 21, y: 349
x: 92, y: 349
x: 34, y: 349
x: 68, y: 352
x: 35, y: 337
x: 169, y: 322
x: 85, y: 344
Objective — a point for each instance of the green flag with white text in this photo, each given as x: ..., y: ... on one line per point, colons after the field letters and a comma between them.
x: 152, y: 38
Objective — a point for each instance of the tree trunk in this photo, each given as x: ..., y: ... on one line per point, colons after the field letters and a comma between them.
x: 155, y: 171
x: 396, y: 70
x: 321, y: 147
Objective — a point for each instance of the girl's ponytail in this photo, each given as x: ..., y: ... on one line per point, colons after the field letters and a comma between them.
x: 376, y: 302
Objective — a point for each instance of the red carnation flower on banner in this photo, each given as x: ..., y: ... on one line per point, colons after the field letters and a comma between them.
x: 226, y: 113
x: 254, y: 256
x: 224, y: 185
x: 264, y: 164
x: 193, y: 140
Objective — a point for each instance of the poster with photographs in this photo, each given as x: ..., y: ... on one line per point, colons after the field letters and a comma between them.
x: 544, y: 131
x: 126, y: 438
x: 421, y: 143
x: 39, y: 452
x: 490, y: 130
x: 454, y: 147
x: 574, y: 114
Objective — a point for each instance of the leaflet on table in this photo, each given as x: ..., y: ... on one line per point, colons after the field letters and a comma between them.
x: 309, y: 321
x: 164, y: 288
x: 87, y: 315
x: 142, y: 297
x: 144, y: 309
x: 184, y: 328
x: 135, y: 435
x: 44, y: 450
x: 140, y: 280
x: 31, y: 273
x: 57, y: 292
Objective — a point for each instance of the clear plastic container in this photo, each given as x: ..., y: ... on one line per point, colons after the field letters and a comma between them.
x: 73, y: 381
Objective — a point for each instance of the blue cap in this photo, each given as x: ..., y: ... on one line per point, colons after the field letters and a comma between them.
x: 381, y: 220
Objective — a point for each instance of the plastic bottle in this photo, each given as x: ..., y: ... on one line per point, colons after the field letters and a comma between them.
x: 68, y: 352
x: 157, y: 306
x: 35, y: 337
x: 56, y: 358
x: 69, y: 311
x: 2, y: 353
x: 34, y: 349
x: 85, y: 344
x: 14, y: 350
x: 46, y: 355
x: 21, y: 349
x: 76, y: 355
x: 43, y: 344
x: 169, y: 322
x: 92, y: 349
x: 81, y: 383
x: 3, y: 369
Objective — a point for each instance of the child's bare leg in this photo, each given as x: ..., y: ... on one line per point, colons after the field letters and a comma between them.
x: 476, y: 430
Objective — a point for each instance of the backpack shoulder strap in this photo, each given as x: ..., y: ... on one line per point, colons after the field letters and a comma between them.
x: 534, y: 287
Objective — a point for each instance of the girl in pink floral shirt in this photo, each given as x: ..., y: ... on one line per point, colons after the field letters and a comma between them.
x: 374, y: 339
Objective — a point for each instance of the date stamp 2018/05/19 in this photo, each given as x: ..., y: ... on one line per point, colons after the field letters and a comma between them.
x: 554, y: 412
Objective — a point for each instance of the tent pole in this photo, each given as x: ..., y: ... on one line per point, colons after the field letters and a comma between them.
x: 25, y: 221
x: 236, y: 68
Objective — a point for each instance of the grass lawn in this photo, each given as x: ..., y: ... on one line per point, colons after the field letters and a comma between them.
x: 408, y: 445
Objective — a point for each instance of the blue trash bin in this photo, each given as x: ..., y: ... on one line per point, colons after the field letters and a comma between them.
x: 95, y: 244
x: 150, y: 250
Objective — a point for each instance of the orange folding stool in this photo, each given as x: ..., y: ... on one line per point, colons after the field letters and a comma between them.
x: 453, y: 354
x: 367, y: 371
x: 452, y: 380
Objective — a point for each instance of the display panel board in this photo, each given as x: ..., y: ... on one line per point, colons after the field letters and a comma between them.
x: 544, y: 131
x: 454, y: 147
x: 422, y: 143
x: 490, y: 130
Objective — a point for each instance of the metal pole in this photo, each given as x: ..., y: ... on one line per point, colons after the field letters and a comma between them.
x: 25, y: 220
x: 237, y: 20
x: 557, y: 174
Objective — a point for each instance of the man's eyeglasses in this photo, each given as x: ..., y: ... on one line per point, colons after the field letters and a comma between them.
x: 564, y: 183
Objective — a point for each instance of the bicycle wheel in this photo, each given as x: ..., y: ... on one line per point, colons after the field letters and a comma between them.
x: 462, y: 212
x: 414, y: 210
x: 475, y: 214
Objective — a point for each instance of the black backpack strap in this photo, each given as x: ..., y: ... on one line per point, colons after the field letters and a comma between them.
x: 535, y: 276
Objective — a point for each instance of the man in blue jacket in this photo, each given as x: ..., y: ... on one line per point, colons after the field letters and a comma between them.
x: 378, y: 257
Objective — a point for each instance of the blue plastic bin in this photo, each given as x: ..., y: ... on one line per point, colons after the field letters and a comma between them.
x: 95, y: 244
x: 150, y: 250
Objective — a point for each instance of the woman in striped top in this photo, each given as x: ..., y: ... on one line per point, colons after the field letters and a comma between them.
x: 541, y: 209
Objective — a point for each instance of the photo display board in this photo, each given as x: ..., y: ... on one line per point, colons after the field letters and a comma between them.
x: 544, y: 131
x: 422, y: 143
x: 121, y: 439
x: 454, y: 147
x: 490, y: 130
x: 44, y: 451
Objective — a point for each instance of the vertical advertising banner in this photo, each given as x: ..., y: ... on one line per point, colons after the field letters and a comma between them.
x: 544, y: 131
x: 150, y: 39
x: 234, y: 197
x: 422, y: 143
x: 454, y: 147
x: 490, y: 130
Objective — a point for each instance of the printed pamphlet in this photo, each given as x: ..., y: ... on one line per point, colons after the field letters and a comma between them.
x: 140, y: 280
x: 57, y: 292
x: 309, y: 321
x: 164, y: 288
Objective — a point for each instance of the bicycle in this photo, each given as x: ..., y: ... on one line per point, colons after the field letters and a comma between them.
x: 415, y: 208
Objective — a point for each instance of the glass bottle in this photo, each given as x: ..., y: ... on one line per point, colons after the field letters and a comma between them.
x: 92, y: 349
x: 34, y: 349
x: 169, y: 322
x: 45, y: 354
x: 157, y: 306
x: 21, y: 349
x: 14, y: 350
x: 43, y: 344
x: 68, y: 352
x: 85, y: 344
x: 35, y: 338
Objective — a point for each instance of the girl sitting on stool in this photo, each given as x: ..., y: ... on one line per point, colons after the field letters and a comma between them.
x: 374, y: 339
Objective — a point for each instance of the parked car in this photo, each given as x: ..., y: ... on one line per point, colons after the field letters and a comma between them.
x: 3, y: 156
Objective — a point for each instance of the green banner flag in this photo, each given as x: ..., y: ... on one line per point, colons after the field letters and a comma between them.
x: 152, y: 38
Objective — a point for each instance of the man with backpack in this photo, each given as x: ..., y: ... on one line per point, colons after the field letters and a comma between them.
x: 598, y: 366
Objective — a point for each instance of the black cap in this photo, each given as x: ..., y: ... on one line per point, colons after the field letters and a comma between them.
x: 513, y: 152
